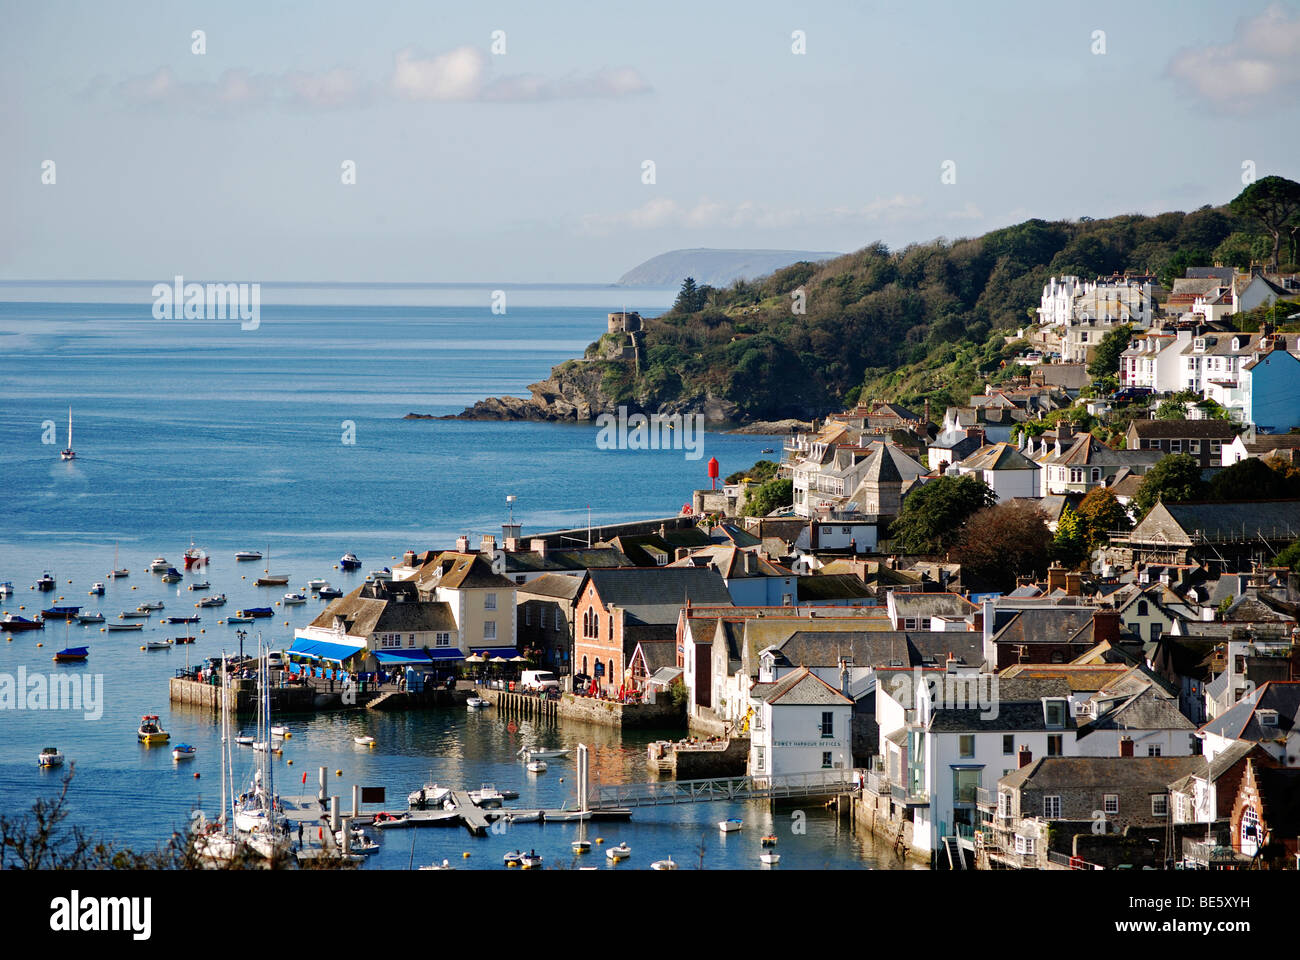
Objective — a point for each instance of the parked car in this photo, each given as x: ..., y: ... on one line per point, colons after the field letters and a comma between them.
x: 1127, y: 394
x: 538, y: 680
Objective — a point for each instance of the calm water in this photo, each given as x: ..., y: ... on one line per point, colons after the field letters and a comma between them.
x: 200, y: 429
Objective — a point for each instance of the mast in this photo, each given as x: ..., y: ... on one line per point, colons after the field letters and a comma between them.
x: 225, y: 744
x: 69, y: 428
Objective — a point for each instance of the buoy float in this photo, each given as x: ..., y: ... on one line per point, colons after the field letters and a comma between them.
x: 288, y: 736
x: 40, y: 644
x: 338, y: 773
x: 289, y: 762
x: 465, y: 855
x: 600, y: 839
x: 196, y: 774
x: 135, y: 588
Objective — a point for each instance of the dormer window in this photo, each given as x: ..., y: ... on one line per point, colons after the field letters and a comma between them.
x: 1199, y: 345
x: 1236, y: 343
x: 1055, y: 710
x: 1267, y: 718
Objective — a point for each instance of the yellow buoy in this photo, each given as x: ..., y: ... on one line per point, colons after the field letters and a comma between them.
x: 465, y: 855
x: 600, y: 839
x: 288, y: 736
x: 23, y: 607
x: 290, y: 762
x: 203, y: 630
x: 142, y: 648
x: 277, y: 603
x: 338, y: 773
x: 196, y: 774
x: 40, y: 644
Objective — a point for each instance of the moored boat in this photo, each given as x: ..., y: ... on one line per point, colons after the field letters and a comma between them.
x: 528, y: 754
x: 384, y: 574
x: 172, y: 576
x: 50, y: 757
x: 194, y: 557
x: 477, y: 703
x: 621, y: 852
x: 72, y: 655
x: 429, y: 795
x: 272, y: 580
x: 364, y: 741
x: 159, y: 565
x: 248, y: 555
x: 61, y: 613
x: 180, y: 619
x: 156, y: 645
x: 90, y: 618
x: 6, y: 588
x: 730, y: 826
x: 200, y: 585
x: 581, y: 846
x: 665, y: 864
x: 134, y: 615
x: 349, y: 561
x: 218, y: 601
x: 184, y: 751
x: 46, y: 582
x: 151, y: 605
x: 328, y: 592
x: 293, y: 599
x: 536, y: 766
x: 97, y: 589
x: 68, y: 453
x: 239, y: 618
x: 316, y: 583
x: 151, y: 730
x: 125, y: 626
x: 14, y: 623
x: 256, y: 612
x: 770, y: 858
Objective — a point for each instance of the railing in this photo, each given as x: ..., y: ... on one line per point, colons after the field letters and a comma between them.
x: 878, y: 783
x: 827, y: 783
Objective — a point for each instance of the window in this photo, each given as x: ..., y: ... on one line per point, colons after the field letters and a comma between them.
x: 846, y: 530
x: 489, y: 601
x: 1159, y: 805
x: 490, y: 630
x: 541, y: 618
x: 760, y: 758
x: 1004, y: 804
x: 1055, y: 745
x: 909, y: 623
x: 1008, y: 743
x: 1193, y: 446
x: 1096, y: 474
x: 826, y: 759
x: 1054, y: 712
x: 1142, y: 608
x: 1076, y: 474
x: 1024, y: 845
x: 1052, y: 808
x: 1175, y: 446
x: 1153, y: 750
x: 520, y: 578
x: 966, y: 744
x: 442, y: 640
x: 1216, y: 447
x: 1110, y: 803
x: 528, y: 614
x: 828, y: 723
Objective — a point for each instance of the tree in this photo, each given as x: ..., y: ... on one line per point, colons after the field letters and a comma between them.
x: 1070, y: 545
x: 1252, y: 479
x: 1240, y: 250
x: 1289, y: 557
x: 1099, y: 513
x: 1105, y: 361
x: 688, y: 298
x: 1273, y: 203
x: 1175, y: 479
x: 760, y: 472
x: 932, y: 516
x: 770, y: 496
x: 1002, y: 542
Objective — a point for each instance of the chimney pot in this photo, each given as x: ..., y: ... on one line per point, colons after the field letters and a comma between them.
x: 1024, y: 757
x: 462, y: 544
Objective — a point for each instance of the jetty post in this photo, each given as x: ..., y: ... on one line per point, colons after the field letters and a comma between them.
x: 347, y: 836
x: 320, y: 795
x: 582, y: 777
x: 356, y: 799
x: 334, y: 813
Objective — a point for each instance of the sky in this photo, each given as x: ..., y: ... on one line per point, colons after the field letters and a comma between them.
x: 510, y: 141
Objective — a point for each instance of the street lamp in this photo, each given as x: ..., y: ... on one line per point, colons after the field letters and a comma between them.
x: 241, y: 634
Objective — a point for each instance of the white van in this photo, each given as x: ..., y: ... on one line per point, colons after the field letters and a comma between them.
x: 538, y: 680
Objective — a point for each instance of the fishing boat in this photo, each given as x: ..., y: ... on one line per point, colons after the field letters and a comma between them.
x: 293, y: 599
x: 50, y: 757
x: 201, y: 585
x: 429, y: 795
x: 69, y: 453
x: 477, y: 703
x: 184, y: 751
x: 529, y: 754
x: 218, y: 601
x: 239, y: 618
x: 329, y: 593
x: 90, y: 618
x: 665, y: 864
x: 256, y: 612
x: 769, y: 840
x: 97, y: 589
x: 180, y: 619
x: 151, y: 730
x: 531, y: 860
x: 151, y: 605
x: 771, y: 859
x: 248, y: 555
x: 159, y: 565
x: 46, y: 582
x: 194, y: 557
x: 15, y: 624
x: 364, y: 741
x: 730, y: 826
x: 156, y: 645
x: 72, y: 655
x: 125, y: 626
x: 536, y: 766
x: 6, y: 588
x: 61, y: 613
x: 172, y: 576
x: 117, y: 572
x: 621, y: 852
x: 384, y: 574
x: 134, y: 615
x: 349, y: 561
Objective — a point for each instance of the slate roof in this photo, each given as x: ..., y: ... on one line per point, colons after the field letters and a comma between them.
x: 1175, y: 429
x: 655, y: 595
x: 1082, y: 678
x: 558, y: 585
x: 833, y: 586
x: 921, y: 605
x: 531, y: 561
x: 820, y: 648
x: 800, y: 688
x: 1044, y: 624
x: 1224, y: 522
x: 463, y: 571
x: 730, y: 563
x: 998, y: 456
x: 1239, y: 722
x: 1098, y: 773
x: 1018, y: 704
x: 363, y: 615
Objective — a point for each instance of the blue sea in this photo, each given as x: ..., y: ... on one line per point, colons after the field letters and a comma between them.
x: 200, y: 431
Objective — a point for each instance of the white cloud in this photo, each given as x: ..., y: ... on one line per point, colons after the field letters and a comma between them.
x: 462, y: 74
x: 1261, y: 59
x: 746, y: 215
x: 457, y: 75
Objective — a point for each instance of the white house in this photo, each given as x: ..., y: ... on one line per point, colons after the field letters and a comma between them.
x: 1005, y: 469
x: 799, y: 724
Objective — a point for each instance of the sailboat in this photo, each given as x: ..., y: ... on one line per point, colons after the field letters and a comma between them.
x: 69, y: 453
x: 116, y: 571
x: 269, y: 579
x: 259, y: 814
x: 219, y: 846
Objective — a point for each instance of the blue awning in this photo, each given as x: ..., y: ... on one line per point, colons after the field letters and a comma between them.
x: 388, y: 657
x: 323, y: 649
x: 490, y: 652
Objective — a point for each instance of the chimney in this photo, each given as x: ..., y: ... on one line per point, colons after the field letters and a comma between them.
x: 846, y: 667
x: 408, y: 558
x: 462, y: 544
x: 751, y: 562
x: 512, y: 544
x: 1055, y: 577
x: 1024, y: 757
x: 1064, y: 433
x: 538, y: 546
x: 488, y: 545
x: 681, y: 553
x: 1074, y: 584
x: 1126, y: 746
x: 1105, y: 626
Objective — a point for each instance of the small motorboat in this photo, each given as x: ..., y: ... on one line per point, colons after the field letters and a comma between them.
x: 125, y: 626
x: 14, y: 623
x: 218, y: 601
x: 72, y: 655
x: 770, y: 858
x: 532, y: 817
x: 248, y: 555
x: 477, y: 703
x: 445, y: 865
x: 293, y: 599
x: 256, y: 612
x: 769, y: 840
x: 118, y: 574
x: 50, y: 757
x: 261, y: 746
x: 150, y: 605
x: 279, y: 731
x: 244, y: 740
x: 364, y: 741
x: 316, y: 583
x: 159, y: 565
x: 172, y: 576
x: 183, y: 640
x: 513, y: 859
x: 528, y: 754
x: 429, y: 795
x: 536, y: 766
x: 239, y: 618
x: 329, y: 593
x: 90, y: 618
x: 46, y: 582
x: 384, y: 574
x: 201, y: 585
x: 489, y: 796
x: 6, y: 588
x: 665, y: 864
x: 621, y: 852
x: 151, y: 730
x: 184, y: 751
x: 730, y: 826
x: 156, y: 645
x: 180, y: 620
x: 767, y: 450
x: 134, y: 615
x: 531, y: 860
x: 581, y: 846
x: 60, y: 613
x: 97, y: 589
x: 349, y: 561
x: 360, y: 841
